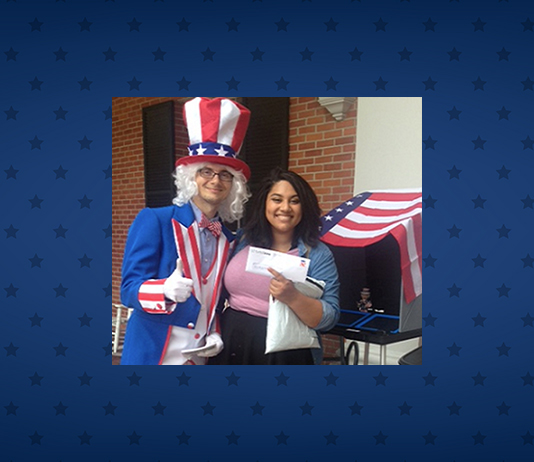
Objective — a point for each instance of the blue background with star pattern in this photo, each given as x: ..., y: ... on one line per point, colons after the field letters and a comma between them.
x: 471, y: 61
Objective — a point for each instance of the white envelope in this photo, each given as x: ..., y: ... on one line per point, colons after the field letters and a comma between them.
x: 290, y: 266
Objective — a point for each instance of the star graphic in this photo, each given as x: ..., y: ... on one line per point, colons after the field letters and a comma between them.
x: 479, y: 261
x: 503, y: 350
x: 36, y: 84
x: 454, y: 173
x: 134, y: 84
x: 306, y: 54
x: 36, y: 25
x: 60, y: 290
x: 454, y: 54
x: 109, y: 54
x: 528, y: 143
x: 60, y: 231
x: 257, y: 54
x: 134, y: 379
x: 527, y: 25
x: 36, y: 438
x: 527, y: 84
x: 380, y: 84
x: 107, y: 172
x: 232, y: 25
x: 479, y: 379
x: 282, y: 84
x: 429, y: 438
x: 85, y: 379
x: 85, y: 25
x: 232, y: 438
x: 11, y: 350
x: 183, y: 25
x: 11, y: 291
x: 306, y: 408
x: 108, y: 349
x: 85, y: 438
x: 331, y: 438
x: 454, y: 408
x: 11, y: 113
x: 134, y: 25
x: 430, y: 379
x: 281, y: 25
x: 257, y: 409
x: 479, y: 320
x: 184, y: 438
x: 528, y: 379
x: 36, y: 202
x: 282, y: 379
x: 429, y: 84
x: 479, y: 25
x: 36, y: 379
x: 331, y: 25
x: 331, y: 84
x: 36, y: 320
x: 85, y: 261
x: 479, y: 143
x: 355, y: 408
x: 454, y: 113
x: 429, y: 202
x: 208, y: 408
x: 380, y: 379
x: 454, y: 350
x: 281, y: 438
x: 528, y: 320
x: 503, y: 231
x: 503, y: 291
x: 454, y: 232
x: 527, y: 202
x: 503, y: 172
x: 232, y: 379
x: 109, y: 408
x: 528, y: 438
x: 60, y: 113
x: 85, y: 320
x: 380, y: 25
x: 380, y: 438
x: 36, y: 143
x: 454, y: 291
x: 11, y: 408
x: 107, y: 290
x: 331, y: 379
x: 61, y: 350
x: 232, y: 83
x: 159, y: 409
x: 107, y: 232
x: 405, y: 54
x: 11, y: 232
x: 430, y: 143
x: 60, y: 173
x: 429, y: 25
x: 11, y: 173
x: 503, y: 54
x: 107, y: 113
x: 478, y: 438
x: 159, y: 54
x: 479, y: 202
x: 429, y: 320
x: 85, y: 84
x: 85, y: 202
x: 527, y: 261
x: 184, y: 84
x: 429, y: 261
x: 134, y: 438
x: 404, y: 408
x: 11, y: 54
x: 355, y: 54
x: 479, y: 84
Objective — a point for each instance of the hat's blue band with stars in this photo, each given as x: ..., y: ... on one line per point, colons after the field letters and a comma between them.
x: 211, y: 149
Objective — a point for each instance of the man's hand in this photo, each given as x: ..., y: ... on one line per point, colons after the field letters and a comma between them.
x: 212, y: 339
x: 177, y: 288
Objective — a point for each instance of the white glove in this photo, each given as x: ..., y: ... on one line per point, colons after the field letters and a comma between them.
x: 213, y: 339
x: 176, y: 287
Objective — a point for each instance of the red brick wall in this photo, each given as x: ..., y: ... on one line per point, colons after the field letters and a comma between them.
x: 321, y: 149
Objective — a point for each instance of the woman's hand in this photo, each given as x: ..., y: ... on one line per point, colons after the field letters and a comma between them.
x: 281, y: 288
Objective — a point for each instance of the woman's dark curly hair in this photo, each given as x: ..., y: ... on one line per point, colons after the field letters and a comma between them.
x: 258, y: 230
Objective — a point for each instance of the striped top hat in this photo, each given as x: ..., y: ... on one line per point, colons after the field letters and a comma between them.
x: 216, y: 128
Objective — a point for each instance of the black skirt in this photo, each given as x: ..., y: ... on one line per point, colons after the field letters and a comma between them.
x: 244, y: 343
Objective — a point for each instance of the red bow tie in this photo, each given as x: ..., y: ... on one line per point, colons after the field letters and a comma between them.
x: 214, y: 226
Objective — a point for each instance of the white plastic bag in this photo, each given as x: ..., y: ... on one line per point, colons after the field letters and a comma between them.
x: 285, y: 331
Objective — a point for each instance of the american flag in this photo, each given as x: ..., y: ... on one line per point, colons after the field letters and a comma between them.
x: 369, y: 217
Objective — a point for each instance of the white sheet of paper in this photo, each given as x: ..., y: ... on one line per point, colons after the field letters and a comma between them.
x: 290, y: 266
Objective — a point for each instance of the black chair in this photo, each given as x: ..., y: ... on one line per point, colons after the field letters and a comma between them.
x: 413, y: 358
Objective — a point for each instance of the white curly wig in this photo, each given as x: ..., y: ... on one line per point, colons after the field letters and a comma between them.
x: 231, y: 209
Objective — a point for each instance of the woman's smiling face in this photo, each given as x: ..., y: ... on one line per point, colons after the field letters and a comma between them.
x: 283, y: 209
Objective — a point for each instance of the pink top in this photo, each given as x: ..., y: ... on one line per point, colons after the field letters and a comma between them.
x: 249, y: 292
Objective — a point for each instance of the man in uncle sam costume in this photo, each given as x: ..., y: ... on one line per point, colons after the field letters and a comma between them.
x: 175, y: 256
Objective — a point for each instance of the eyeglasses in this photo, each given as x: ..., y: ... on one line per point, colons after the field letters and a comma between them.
x: 209, y: 174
